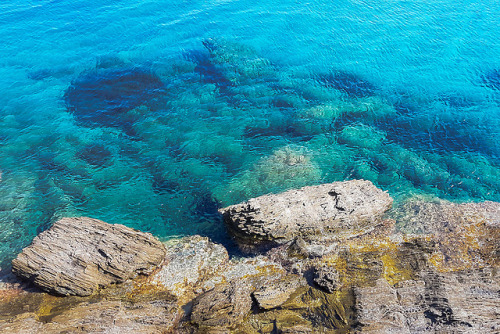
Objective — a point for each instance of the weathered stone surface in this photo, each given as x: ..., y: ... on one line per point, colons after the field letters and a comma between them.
x: 327, y: 278
x: 158, y: 317
x: 420, y: 216
x: 442, y: 280
x: 465, y: 234
x: 224, y: 306
x: 78, y: 255
x: 461, y: 302
x: 277, y: 292
x: 306, y: 249
x: 189, y: 261
x: 378, y: 310
x: 337, y: 210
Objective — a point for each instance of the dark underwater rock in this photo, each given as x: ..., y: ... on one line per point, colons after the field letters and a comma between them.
x: 349, y: 83
x: 440, y: 132
x: 95, y: 154
x: 492, y: 79
x: 103, y: 97
x: 78, y: 255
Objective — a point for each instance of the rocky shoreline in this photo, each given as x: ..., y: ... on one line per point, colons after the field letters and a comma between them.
x: 323, y: 259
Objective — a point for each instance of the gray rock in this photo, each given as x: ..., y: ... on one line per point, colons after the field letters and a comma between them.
x: 460, y: 302
x: 302, y: 249
x: 190, y: 260
x: 327, y: 278
x: 378, y: 309
x: 276, y: 293
x: 107, y: 316
x: 224, y: 306
x: 420, y: 216
x: 337, y: 210
x: 78, y: 255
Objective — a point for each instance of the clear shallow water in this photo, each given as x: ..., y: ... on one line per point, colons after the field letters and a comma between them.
x: 155, y: 114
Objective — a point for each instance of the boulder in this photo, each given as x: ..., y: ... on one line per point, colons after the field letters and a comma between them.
x: 327, y: 278
x: 224, y: 306
x: 76, y: 256
x: 334, y: 211
x: 276, y: 293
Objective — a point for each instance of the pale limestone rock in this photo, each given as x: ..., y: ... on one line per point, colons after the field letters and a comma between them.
x: 224, y: 306
x: 189, y: 261
x: 333, y: 211
x: 458, y: 302
x: 277, y: 292
x: 378, y: 310
x: 114, y: 316
x: 76, y: 256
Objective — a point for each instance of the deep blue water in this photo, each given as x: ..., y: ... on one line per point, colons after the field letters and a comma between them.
x: 154, y: 114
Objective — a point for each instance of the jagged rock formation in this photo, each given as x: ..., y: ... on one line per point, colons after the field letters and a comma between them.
x: 330, y: 211
x: 78, y: 255
x: 326, y: 278
x: 443, y: 280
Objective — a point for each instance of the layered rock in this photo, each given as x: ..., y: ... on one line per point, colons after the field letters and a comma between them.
x: 78, y: 255
x: 376, y: 281
x: 277, y: 292
x: 120, y: 309
x: 224, y: 306
x: 461, y: 302
x: 338, y: 210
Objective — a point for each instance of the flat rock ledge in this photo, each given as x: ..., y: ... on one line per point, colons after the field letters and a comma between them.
x: 338, y: 210
x: 76, y: 256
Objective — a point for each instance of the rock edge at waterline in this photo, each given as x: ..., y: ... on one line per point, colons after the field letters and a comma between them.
x: 444, y: 279
x: 78, y: 255
x: 338, y: 210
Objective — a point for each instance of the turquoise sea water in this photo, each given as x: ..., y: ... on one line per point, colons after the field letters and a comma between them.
x: 154, y: 114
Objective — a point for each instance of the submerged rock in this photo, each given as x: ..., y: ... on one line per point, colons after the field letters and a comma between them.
x: 78, y: 255
x: 287, y: 167
x: 492, y: 79
x: 338, y: 210
x: 104, y: 97
x: 349, y: 83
